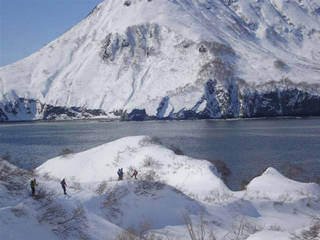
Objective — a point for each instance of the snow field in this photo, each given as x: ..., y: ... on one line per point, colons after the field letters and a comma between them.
x: 169, y: 188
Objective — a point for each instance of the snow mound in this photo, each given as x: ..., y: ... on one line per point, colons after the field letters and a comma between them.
x: 131, y: 205
x: 276, y: 186
x: 152, y: 160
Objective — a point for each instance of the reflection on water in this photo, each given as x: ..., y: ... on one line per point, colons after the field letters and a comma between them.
x: 246, y: 146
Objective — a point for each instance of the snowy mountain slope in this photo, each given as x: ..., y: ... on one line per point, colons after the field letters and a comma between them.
x: 98, y: 206
x: 180, y: 59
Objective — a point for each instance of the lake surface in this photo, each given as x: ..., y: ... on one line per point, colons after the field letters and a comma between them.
x: 246, y: 146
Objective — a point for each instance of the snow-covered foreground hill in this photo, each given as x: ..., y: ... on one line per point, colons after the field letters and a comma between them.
x: 175, y: 59
x: 171, y: 193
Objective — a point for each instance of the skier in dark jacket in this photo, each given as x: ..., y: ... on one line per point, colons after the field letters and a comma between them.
x: 63, y: 185
x: 135, y: 173
x: 33, y: 184
x: 120, y: 173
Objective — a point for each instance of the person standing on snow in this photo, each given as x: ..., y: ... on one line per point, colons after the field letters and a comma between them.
x: 135, y: 173
x: 120, y: 173
x: 63, y: 185
x: 33, y: 184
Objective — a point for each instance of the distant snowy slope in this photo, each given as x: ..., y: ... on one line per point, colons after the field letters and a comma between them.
x: 179, y: 59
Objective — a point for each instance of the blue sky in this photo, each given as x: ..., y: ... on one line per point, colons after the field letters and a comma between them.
x: 28, y: 25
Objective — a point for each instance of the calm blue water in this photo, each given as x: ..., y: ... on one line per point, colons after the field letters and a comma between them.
x: 246, y: 146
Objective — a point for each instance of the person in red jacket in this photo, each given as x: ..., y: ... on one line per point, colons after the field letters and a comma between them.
x: 63, y: 185
x: 135, y: 173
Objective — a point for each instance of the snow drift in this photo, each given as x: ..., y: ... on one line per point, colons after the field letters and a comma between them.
x: 177, y: 59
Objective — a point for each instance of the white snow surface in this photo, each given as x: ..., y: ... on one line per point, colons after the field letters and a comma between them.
x: 152, y: 50
x: 167, y: 187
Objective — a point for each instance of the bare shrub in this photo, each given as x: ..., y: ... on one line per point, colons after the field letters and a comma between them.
x: 117, y: 159
x: 4, y: 170
x: 74, y: 223
x: 275, y: 228
x: 127, y: 235
x: 298, y: 173
x: 218, y: 196
x: 18, y: 172
x: 33, y: 170
x: 149, y: 162
x: 222, y: 169
x: 42, y: 193
x: 197, y: 232
x: 45, y: 199
x: 119, y: 153
x: 47, y: 177
x: 242, y: 229
x: 244, y: 184
x: 66, y: 152
x: 76, y: 186
x: 218, y: 68
x: 64, y: 224
x: 313, y: 233
x: 51, y: 212
x: 150, y: 176
x: 19, y: 212
x: 6, y: 156
x: 292, y: 171
x: 147, y: 141
x: 316, y: 179
x: 13, y: 178
x: 282, y: 199
x: 218, y: 49
x: 112, y: 201
x: 153, y: 236
x: 101, y: 188
x: 279, y: 64
x: 148, y: 187
x: 143, y: 228
x: 176, y: 149
x: 130, y: 171
x: 138, y: 234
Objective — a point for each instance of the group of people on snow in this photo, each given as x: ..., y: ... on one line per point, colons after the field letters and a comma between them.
x: 33, y: 182
x: 120, y: 174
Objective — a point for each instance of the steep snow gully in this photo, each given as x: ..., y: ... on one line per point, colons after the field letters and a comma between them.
x: 175, y: 59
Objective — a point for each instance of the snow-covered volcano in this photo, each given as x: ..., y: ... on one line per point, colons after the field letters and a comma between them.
x: 176, y: 59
